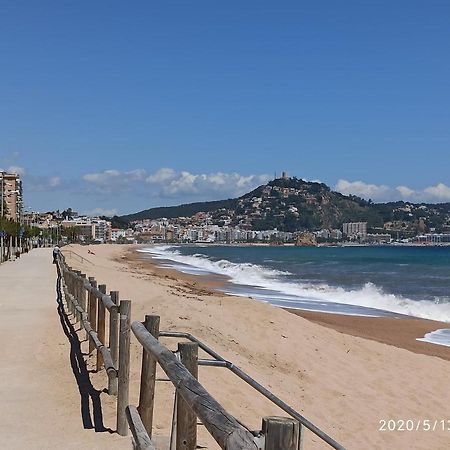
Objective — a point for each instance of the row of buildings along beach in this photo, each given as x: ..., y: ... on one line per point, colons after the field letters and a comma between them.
x: 198, y: 229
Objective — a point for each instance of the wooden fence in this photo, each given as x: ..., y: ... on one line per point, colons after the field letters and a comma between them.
x: 91, y: 306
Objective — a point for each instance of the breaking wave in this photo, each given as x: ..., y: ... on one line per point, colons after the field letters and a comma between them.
x: 439, y: 337
x: 281, y: 291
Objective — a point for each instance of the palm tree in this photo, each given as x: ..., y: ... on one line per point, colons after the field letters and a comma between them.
x: 72, y: 233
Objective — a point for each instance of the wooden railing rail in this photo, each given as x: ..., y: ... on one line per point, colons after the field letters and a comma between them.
x: 140, y: 435
x: 82, y: 259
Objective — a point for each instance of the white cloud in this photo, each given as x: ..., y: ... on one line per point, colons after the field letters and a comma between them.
x: 17, y: 169
x: 34, y: 183
x: 383, y: 193
x: 167, y: 182
x: 440, y: 192
x: 102, y: 178
x: 136, y: 175
x: 405, y: 192
x: 161, y: 175
x: 42, y: 184
x: 112, y: 175
x: 54, y: 182
x: 113, y: 180
x: 361, y: 189
x: 102, y: 212
x: 14, y: 169
x: 217, y: 184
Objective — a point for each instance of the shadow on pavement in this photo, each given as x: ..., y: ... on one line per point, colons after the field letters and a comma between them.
x: 80, y: 371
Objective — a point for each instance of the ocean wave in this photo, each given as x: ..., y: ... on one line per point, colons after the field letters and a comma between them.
x: 439, y: 337
x: 247, y: 274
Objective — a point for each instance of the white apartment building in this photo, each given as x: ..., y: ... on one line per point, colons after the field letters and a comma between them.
x: 355, y: 229
x: 117, y: 233
x: 90, y: 229
x: 102, y: 230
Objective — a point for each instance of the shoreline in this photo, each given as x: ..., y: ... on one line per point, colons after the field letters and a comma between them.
x: 400, y: 332
x: 292, y: 244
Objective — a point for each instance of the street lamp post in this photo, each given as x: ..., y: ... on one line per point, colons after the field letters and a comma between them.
x: 1, y: 218
x: 11, y: 194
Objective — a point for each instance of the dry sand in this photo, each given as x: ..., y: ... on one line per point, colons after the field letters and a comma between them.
x: 344, y: 383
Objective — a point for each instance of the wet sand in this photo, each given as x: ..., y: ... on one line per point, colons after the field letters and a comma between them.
x: 399, y: 332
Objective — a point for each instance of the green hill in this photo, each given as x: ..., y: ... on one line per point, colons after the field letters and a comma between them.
x: 185, y: 210
x: 291, y: 204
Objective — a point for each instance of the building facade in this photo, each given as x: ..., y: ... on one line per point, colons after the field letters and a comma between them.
x: 11, y: 196
x: 90, y: 229
x: 355, y: 229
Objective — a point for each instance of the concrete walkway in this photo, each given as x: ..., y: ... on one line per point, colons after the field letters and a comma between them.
x: 47, y: 400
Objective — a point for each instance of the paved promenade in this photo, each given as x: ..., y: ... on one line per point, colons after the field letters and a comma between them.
x: 47, y: 400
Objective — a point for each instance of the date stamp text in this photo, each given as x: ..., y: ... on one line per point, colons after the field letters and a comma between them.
x: 407, y: 425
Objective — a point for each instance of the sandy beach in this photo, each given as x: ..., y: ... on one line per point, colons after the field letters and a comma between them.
x: 345, y: 374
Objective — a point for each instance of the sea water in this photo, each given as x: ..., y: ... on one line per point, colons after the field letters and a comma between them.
x: 368, y: 281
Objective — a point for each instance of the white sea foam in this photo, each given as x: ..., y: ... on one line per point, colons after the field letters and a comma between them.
x: 246, y: 274
x: 439, y: 337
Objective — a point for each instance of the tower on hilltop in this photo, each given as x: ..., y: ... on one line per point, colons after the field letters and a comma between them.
x: 284, y: 176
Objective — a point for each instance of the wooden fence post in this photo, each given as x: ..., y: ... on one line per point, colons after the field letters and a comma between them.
x: 66, y: 291
x: 124, y: 366
x: 114, y: 328
x: 77, y: 294
x: 148, y: 377
x: 93, y: 314
x: 88, y: 306
x: 101, y: 325
x: 114, y: 340
x: 68, y: 269
x: 69, y: 282
x: 80, y: 296
x: 82, y: 301
x: 83, y: 298
x: 74, y: 292
x: 89, y: 298
x: 281, y: 433
x: 186, y: 418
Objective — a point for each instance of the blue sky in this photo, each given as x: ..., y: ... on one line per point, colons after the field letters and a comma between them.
x: 124, y: 106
